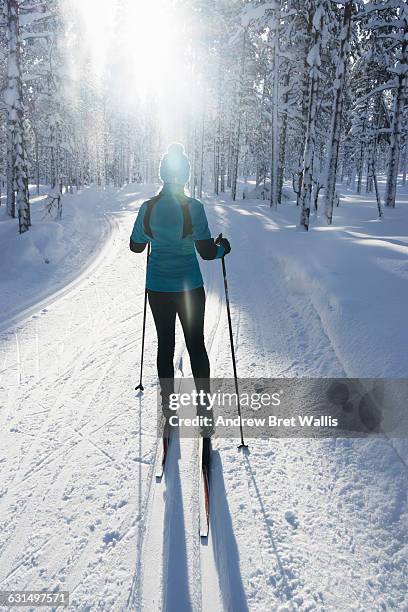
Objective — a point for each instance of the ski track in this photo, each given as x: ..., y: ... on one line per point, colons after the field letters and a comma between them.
x: 173, y: 513
x: 292, y: 524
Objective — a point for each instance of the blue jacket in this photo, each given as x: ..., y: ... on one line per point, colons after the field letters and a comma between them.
x: 164, y: 222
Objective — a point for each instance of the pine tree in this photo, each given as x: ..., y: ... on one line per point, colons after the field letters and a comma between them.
x: 314, y: 61
x: 401, y: 71
x: 337, y: 112
x: 17, y: 165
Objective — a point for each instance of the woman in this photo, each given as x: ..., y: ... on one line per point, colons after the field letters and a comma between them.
x: 174, y: 224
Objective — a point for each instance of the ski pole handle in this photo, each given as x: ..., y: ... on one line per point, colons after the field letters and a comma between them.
x: 222, y: 259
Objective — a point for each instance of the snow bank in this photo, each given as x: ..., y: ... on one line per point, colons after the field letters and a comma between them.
x: 263, y: 190
x: 354, y: 272
x: 38, y: 263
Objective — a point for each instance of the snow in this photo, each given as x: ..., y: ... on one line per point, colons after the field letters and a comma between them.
x: 251, y: 12
x: 36, y: 264
x: 318, y: 17
x: 313, y: 57
x: 295, y: 524
x: 357, y: 286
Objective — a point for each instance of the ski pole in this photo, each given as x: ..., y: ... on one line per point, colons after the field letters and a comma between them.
x: 140, y: 386
x: 234, y: 364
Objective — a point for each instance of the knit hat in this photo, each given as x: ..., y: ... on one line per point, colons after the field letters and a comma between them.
x: 174, y: 166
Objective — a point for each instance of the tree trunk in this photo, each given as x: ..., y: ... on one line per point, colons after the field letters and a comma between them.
x: 404, y: 162
x: 282, y: 143
x: 238, y: 134
x: 360, y: 164
x: 377, y: 193
x: 11, y: 194
x: 37, y: 163
x: 335, y: 133
x: 274, y: 113
x: 17, y: 156
x: 201, y: 175
x: 222, y: 163
x: 310, y: 140
x: 216, y: 166
x: 399, y: 102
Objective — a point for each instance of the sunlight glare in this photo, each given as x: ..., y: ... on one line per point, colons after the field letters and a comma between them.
x: 97, y: 20
x: 155, y: 43
x: 142, y: 45
x: 150, y: 45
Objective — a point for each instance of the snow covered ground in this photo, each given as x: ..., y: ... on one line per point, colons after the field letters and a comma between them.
x: 37, y: 264
x: 295, y: 524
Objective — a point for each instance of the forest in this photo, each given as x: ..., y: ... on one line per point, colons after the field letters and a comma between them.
x: 306, y: 91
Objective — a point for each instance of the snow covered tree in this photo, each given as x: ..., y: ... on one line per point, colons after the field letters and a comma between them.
x: 314, y: 62
x: 401, y: 71
x: 388, y: 24
x: 337, y: 112
x: 17, y: 164
x: 306, y: 91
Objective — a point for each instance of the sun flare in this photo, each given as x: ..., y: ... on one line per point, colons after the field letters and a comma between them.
x: 150, y: 51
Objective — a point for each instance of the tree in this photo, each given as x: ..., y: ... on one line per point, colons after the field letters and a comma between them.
x: 337, y: 113
x: 401, y: 71
x: 314, y: 61
x: 17, y: 166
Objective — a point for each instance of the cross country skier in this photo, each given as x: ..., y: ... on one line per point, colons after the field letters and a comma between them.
x: 174, y: 224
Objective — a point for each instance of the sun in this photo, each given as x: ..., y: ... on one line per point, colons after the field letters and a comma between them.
x: 149, y: 38
x: 156, y: 44
x: 140, y: 50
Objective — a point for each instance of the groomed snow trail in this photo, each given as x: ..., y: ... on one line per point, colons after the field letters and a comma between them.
x: 295, y: 524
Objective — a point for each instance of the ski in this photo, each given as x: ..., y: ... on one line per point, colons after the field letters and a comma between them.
x: 163, y: 454
x: 205, y: 464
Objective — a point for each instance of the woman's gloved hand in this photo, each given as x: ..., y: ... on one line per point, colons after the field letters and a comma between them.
x: 224, y: 243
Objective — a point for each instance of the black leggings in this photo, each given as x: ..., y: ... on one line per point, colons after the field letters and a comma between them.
x: 190, y: 308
